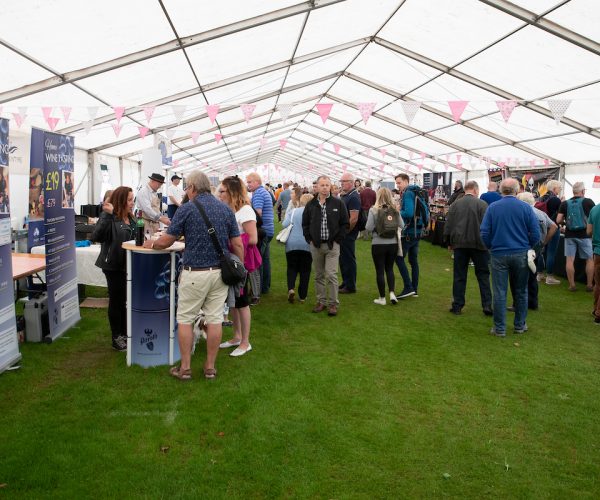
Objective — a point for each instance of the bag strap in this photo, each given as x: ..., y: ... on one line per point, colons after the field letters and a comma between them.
x: 211, y: 228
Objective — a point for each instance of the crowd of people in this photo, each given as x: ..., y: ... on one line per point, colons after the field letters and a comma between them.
x: 503, y: 232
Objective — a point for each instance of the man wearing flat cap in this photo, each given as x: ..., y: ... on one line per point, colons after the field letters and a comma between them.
x: 149, y: 202
x: 175, y: 195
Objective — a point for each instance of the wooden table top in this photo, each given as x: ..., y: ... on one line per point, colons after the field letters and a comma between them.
x: 26, y: 264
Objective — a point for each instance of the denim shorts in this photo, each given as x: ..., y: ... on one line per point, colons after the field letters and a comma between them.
x: 580, y: 246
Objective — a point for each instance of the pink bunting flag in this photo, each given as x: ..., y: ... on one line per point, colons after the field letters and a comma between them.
x: 506, y: 108
x: 19, y: 118
x: 212, y: 110
x: 369, y: 152
x: 148, y: 113
x: 321, y: 146
x: 324, y: 109
x: 410, y: 108
x: 195, y: 136
x: 457, y: 108
x: 143, y: 131
x: 366, y: 110
x: 336, y: 148
x: 383, y: 152
x: 411, y: 155
x: 119, y: 110
x: 218, y: 138
x: 546, y: 162
x: 282, y: 144
x: 458, y: 157
x: 558, y: 108
x: 423, y: 155
x: 248, y: 111
x: 117, y: 128
x: 532, y: 163
x: 263, y: 142
x: 52, y: 122
x: 46, y: 111
x: 66, y: 112
x: 344, y: 167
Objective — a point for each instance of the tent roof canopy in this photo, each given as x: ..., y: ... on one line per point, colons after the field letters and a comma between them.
x: 267, y: 53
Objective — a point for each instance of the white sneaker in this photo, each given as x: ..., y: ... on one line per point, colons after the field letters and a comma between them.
x: 240, y: 352
x: 550, y: 280
x: 380, y: 301
x: 393, y: 298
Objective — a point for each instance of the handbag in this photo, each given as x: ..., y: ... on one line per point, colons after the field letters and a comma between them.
x: 284, y: 234
x: 233, y: 271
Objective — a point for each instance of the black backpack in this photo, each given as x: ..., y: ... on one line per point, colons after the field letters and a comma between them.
x: 420, y: 221
x: 386, y: 224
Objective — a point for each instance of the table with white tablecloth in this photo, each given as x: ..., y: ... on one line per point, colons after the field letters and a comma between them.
x: 87, y: 272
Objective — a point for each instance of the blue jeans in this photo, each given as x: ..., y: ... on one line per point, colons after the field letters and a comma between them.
x: 515, y: 267
x: 265, y: 268
x: 550, y: 252
x: 410, y: 249
x: 348, y: 262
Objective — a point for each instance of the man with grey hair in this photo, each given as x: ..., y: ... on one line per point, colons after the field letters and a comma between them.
x: 201, y: 288
x: 462, y: 231
x: 492, y: 193
x: 509, y: 229
x: 324, y: 224
x: 351, y: 199
x: 574, y: 213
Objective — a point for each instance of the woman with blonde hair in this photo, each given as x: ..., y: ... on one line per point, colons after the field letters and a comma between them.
x: 297, y: 251
x: 232, y: 192
x: 383, y: 221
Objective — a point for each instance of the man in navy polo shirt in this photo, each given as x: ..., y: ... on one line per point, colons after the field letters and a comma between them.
x: 351, y: 199
x: 201, y: 287
x: 262, y: 202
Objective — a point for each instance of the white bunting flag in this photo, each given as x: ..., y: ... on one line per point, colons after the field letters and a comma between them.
x: 87, y: 126
x: 558, y: 108
x: 410, y: 108
x: 92, y: 112
x: 366, y: 110
x: 248, y: 111
x: 284, y: 111
x: 178, y: 112
x: 241, y: 140
x: 170, y: 133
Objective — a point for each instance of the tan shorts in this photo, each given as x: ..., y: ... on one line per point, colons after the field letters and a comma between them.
x: 201, y: 291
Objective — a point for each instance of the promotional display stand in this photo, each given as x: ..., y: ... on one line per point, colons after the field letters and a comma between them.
x: 151, y: 288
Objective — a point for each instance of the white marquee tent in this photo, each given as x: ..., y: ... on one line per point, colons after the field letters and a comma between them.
x: 414, y: 63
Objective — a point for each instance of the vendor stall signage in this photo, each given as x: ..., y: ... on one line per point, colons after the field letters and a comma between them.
x: 9, y: 344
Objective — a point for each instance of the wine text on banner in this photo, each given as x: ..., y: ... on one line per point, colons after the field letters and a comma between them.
x: 248, y: 111
x: 410, y: 108
x: 506, y: 108
x: 324, y: 109
x: 457, y: 108
x: 366, y: 110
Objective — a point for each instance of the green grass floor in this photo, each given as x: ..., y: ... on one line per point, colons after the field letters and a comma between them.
x: 379, y: 402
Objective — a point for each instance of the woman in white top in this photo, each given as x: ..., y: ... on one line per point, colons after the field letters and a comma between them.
x: 233, y: 192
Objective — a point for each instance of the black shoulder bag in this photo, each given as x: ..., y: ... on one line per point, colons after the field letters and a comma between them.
x: 233, y: 272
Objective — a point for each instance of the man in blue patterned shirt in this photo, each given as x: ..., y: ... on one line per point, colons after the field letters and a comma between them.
x: 201, y: 288
x: 263, y: 204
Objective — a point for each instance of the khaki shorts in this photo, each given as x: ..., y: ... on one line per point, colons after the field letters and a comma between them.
x: 201, y: 291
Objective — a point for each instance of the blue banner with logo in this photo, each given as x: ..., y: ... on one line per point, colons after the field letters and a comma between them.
x: 9, y: 344
x: 55, y: 201
x: 35, y: 234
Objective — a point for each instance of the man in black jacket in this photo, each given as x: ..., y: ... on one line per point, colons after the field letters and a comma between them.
x: 462, y: 232
x: 324, y: 224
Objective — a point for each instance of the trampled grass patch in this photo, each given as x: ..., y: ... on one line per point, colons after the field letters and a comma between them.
x: 380, y: 402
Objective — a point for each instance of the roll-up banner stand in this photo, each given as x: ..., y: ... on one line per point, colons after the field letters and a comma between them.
x: 9, y: 343
x: 52, y: 220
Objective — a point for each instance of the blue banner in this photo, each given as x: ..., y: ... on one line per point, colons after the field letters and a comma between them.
x: 59, y: 227
x: 9, y: 344
x: 36, y: 230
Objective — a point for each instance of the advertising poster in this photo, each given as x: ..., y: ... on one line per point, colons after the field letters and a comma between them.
x: 36, y: 228
x: 59, y: 230
x: 534, y: 180
x: 9, y: 344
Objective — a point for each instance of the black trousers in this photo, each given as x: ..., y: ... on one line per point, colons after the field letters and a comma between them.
x: 117, y: 299
x: 384, y: 257
x: 298, y: 262
x: 481, y: 259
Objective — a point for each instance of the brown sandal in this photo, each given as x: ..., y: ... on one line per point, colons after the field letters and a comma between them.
x: 178, y: 373
x: 210, y: 373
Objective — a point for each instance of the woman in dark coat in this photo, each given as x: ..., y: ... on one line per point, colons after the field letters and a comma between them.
x: 116, y: 225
